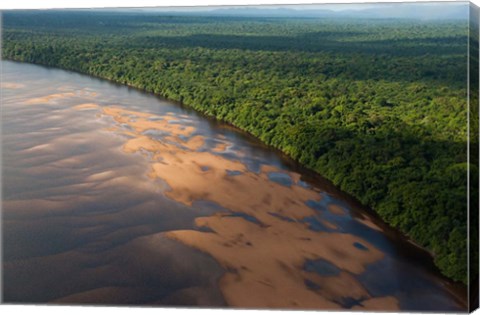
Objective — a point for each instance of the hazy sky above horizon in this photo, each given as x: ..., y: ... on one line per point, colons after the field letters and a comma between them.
x: 332, y: 7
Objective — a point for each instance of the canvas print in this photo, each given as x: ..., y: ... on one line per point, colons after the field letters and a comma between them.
x: 313, y: 157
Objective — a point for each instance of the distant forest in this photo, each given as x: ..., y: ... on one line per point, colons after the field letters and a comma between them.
x: 378, y: 107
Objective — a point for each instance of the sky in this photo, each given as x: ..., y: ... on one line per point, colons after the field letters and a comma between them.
x: 424, y: 11
x: 332, y: 4
x: 334, y: 7
x: 331, y: 7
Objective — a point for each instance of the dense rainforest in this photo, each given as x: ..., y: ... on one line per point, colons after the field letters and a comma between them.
x: 378, y: 107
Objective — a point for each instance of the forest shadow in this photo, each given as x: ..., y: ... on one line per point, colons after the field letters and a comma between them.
x: 410, y: 60
x: 312, y: 42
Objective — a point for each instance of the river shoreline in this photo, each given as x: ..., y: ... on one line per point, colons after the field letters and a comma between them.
x: 355, y: 205
x: 286, y: 158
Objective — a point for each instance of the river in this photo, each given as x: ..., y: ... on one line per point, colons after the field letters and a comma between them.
x: 114, y: 196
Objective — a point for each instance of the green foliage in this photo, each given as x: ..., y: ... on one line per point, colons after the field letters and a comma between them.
x: 377, y: 107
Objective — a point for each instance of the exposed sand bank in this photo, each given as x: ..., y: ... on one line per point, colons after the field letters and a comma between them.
x: 49, y: 98
x: 261, y: 238
x: 62, y: 94
x: 221, y: 147
x: 11, y: 85
x: 86, y: 106
x: 336, y: 209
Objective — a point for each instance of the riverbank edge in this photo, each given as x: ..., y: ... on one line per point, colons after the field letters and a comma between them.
x: 368, y: 208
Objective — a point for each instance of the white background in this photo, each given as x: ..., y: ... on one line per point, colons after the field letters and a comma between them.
x: 53, y: 310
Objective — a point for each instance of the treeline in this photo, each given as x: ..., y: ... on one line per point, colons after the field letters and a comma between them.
x: 377, y: 107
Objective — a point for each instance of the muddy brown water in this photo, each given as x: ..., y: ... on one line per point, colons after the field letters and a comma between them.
x: 113, y: 196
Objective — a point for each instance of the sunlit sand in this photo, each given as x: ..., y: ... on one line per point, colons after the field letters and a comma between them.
x: 11, y: 85
x: 264, y: 254
x: 86, y: 106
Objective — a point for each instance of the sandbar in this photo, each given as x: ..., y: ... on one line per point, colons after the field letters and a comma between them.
x: 49, y: 98
x: 260, y: 237
x: 336, y: 209
x: 11, y: 85
x: 86, y: 106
